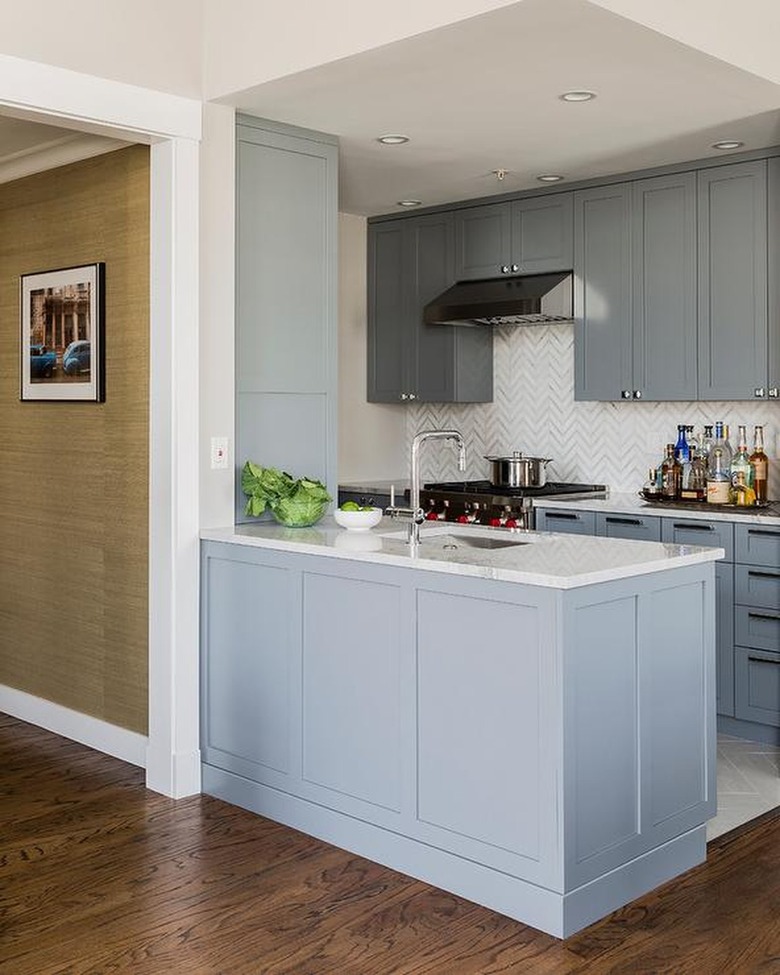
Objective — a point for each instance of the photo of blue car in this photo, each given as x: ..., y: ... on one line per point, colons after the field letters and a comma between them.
x: 76, y: 359
x: 43, y: 362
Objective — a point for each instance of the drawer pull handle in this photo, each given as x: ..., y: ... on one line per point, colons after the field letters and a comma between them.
x: 624, y: 521
x: 562, y: 516
x: 755, y: 574
x: 765, y: 533
x: 763, y: 660
x: 691, y: 527
x: 764, y: 616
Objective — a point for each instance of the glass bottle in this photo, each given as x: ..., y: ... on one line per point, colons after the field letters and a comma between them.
x: 760, y: 465
x: 681, y: 449
x: 670, y: 475
x: 742, y: 493
x: 695, y: 488
x: 651, y: 489
x: 721, y: 440
x: 718, y: 471
x: 706, y: 442
x: 740, y: 462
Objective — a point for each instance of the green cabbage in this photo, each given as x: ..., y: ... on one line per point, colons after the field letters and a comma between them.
x: 292, y: 502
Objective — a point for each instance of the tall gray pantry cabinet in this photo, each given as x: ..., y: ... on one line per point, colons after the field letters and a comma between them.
x: 286, y: 300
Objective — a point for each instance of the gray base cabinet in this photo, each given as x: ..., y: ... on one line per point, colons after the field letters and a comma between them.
x: 410, y: 262
x: 552, y: 771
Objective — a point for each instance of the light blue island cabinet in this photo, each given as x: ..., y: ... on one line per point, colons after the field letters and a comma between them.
x: 530, y: 726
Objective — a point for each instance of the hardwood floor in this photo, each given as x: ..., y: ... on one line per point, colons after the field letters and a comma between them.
x: 99, y: 875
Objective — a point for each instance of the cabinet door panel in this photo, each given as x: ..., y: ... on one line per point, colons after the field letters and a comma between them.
x: 602, y: 293
x: 690, y: 531
x: 757, y: 686
x: 432, y: 246
x: 773, y: 377
x: 570, y: 522
x: 664, y: 259
x: 482, y: 240
x: 724, y: 629
x: 732, y: 281
x: 388, y: 333
x: 543, y: 233
x: 757, y: 546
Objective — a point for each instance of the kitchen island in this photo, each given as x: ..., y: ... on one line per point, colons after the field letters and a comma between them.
x: 524, y: 719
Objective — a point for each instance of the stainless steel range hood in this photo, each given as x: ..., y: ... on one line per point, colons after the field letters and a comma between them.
x: 533, y: 299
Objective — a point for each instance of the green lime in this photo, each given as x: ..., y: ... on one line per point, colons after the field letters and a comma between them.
x: 350, y: 506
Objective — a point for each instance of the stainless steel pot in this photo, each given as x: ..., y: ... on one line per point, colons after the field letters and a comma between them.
x: 518, y: 471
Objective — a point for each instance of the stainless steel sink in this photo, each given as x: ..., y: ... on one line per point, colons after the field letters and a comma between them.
x: 453, y: 541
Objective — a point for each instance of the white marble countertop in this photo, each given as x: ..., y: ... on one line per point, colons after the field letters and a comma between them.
x: 547, y: 559
x: 633, y: 504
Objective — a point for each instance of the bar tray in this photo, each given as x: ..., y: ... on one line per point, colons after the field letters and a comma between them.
x: 702, y: 505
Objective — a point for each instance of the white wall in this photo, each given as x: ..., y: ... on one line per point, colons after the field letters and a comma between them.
x: 371, y: 435
x: 217, y: 311
x: 149, y: 43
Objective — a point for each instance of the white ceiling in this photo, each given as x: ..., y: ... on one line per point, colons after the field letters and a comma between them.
x: 482, y: 94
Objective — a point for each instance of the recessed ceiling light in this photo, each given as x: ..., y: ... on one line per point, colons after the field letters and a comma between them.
x: 550, y: 178
x: 728, y: 144
x: 393, y: 140
x: 410, y: 203
x: 577, y: 96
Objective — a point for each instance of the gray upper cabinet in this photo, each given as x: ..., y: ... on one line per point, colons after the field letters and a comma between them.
x: 635, y: 290
x: 410, y: 262
x: 773, y: 370
x: 527, y: 236
x: 602, y: 292
x: 286, y: 333
x: 733, y: 288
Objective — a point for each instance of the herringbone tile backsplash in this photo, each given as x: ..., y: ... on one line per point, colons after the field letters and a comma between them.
x: 534, y: 411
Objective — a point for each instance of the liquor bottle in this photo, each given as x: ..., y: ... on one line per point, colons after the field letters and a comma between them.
x: 718, y: 479
x: 706, y: 442
x: 759, y: 463
x: 681, y: 449
x: 695, y: 488
x: 740, y: 462
x: 741, y: 492
x: 651, y: 489
x: 721, y: 440
x: 690, y: 436
x: 670, y: 475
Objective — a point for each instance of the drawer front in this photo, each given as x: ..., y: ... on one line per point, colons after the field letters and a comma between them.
x: 572, y: 522
x: 643, y: 528
x: 758, y: 546
x: 757, y: 686
x: 688, y: 531
x: 757, y: 628
x: 757, y: 587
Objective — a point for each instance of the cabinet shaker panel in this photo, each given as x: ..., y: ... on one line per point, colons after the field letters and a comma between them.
x: 482, y: 241
x: 602, y: 293
x: 388, y: 332
x: 773, y: 370
x: 543, y: 233
x: 732, y: 281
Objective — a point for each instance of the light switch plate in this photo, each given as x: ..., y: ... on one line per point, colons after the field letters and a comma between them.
x: 219, y: 453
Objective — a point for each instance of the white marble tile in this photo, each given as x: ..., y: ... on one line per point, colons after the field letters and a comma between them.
x: 748, y: 783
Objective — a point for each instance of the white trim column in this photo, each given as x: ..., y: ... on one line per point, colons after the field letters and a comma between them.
x: 173, y: 756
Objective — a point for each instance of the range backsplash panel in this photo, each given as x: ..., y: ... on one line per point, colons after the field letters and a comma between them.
x: 534, y: 411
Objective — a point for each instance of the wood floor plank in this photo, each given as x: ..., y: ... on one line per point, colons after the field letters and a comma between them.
x: 99, y: 875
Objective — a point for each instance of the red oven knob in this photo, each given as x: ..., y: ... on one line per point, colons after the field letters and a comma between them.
x: 431, y: 516
x: 495, y: 522
x: 510, y: 523
x: 462, y: 519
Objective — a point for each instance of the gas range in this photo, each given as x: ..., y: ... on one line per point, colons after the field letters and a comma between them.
x: 481, y: 502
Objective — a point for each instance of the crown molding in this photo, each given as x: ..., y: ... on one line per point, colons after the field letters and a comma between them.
x: 55, y: 152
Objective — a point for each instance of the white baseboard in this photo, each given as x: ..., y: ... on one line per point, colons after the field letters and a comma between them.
x: 129, y: 746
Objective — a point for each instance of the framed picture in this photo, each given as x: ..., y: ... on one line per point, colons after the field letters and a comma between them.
x: 62, y: 334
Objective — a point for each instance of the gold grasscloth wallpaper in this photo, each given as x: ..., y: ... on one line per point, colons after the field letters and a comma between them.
x: 74, y: 476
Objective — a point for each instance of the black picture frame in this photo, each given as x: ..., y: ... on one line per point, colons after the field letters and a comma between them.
x: 62, y: 334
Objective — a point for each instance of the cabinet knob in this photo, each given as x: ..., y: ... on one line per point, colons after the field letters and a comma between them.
x: 637, y: 394
x: 404, y: 396
x: 759, y: 392
x: 515, y: 267
x: 505, y: 269
x: 774, y: 392
x: 412, y: 396
x: 625, y: 394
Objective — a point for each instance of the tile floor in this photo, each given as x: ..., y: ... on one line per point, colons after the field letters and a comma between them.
x: 748, y: 782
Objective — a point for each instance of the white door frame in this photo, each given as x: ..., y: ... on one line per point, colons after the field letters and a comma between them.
x: 171, y: 125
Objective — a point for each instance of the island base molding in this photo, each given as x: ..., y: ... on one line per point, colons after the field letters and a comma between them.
x: 560, y: 915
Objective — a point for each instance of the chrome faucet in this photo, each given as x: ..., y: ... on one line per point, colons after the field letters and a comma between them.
x: 414, y: 512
